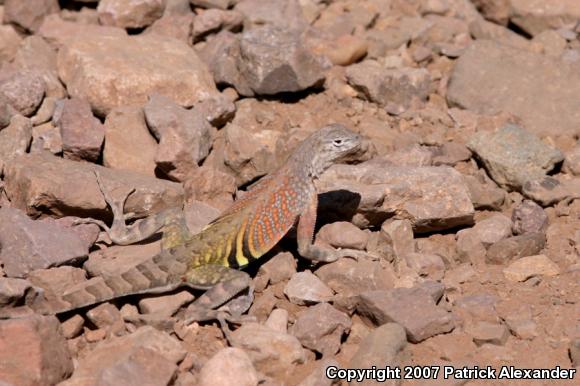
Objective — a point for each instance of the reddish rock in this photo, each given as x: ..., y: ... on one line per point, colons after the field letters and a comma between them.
x: 535, y: 16
x: 230, y: 366
x: 210, y: 185
x: 130, y: 13
x: 106, y: 316
x: 13, y: 291
x: 29, y: 14
x: 572, y: 161
x: 9, y: 42
x: 23, y: 91
x: 214, y: 20
x: 177, y: 26
x: 515, y: 247
x: 14, y: 139
x: 486, y: 332
x: 60, y: 32
x: 342, y: 234
x: 529, y: 217
x: 528, y: 266
x: 165, y: 304
x: 284, y: 14
x: 305, y: 288
x: 82, y: 134
x: 280, y: 267
x: 33, y: 351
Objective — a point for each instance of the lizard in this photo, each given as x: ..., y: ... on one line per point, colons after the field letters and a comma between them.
x: 212, y: 259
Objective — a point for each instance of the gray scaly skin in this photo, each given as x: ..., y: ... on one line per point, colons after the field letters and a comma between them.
x: 211, y: 259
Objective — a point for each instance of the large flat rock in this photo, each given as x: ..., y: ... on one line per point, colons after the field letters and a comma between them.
x: 543, y: 92
x: 113, y: 71
x: 432, y: 198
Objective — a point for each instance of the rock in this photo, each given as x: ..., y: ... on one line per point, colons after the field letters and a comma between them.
x: 165, y: 304
x: 320, y: 328
x: 23, y: 91
x: 318, y: 376
x: 493, y: 229
x: 9, y: 42
x: 400, y: 234
x: 130, y: 13
x: 273, y: 353
x: 28, y: 244
x: 575, y: 351
x: 184, y: 136
x: 28, y: 14
x: 106, y: 316
x: 45, y: 111
x: 484, y: 193
x: 528, y: 266
x: 73, y: 326
x: 412, y: 308
x: 482, y: 29
x: 550, y: 190
x: 13, y: 291
x: 432, y: 198
x: 305, y: 288
x: 536, y: 16
x: 486, y: 332
x: 47, y: 184
x: 128, y: 143
x: 82, y: 134
x: 429, y: 265
x: 341, y: 51
x: 177, y: 26
x: 396, y: 90
x: 450, y: 153
x: 14, y: 139
x: 470, y: 249
x: 36, y: 54
x: 210, y: 185
x: 59, y: 32
x: 494, y: 10
x: 97, y: 68
x: 490, y: 77
x: 283, y: 14
x: 33, y: 351
x: 55, y: 281
x: 515, y: 247
x: 230, y: 366
x: 342, y: 234
x: 279, y: 268
x: 551, y: 43
x: 513, y: 156
x: 214, y: 20
x: 382, y: 347
x: 145, y: 356
x: 340, y: 19
x: 529, y: 217
x: 277, y: 320
x: 46, y: 137
x: 572, y: 161
x: 521, y: 323
x: 198, y: 215
x: 273, y: 60
x: 348, y: 277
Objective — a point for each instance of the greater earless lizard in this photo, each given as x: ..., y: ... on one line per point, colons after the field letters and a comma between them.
x: 211, y: 259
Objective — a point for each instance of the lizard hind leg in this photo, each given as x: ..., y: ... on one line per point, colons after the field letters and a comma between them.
x: 222, y: 284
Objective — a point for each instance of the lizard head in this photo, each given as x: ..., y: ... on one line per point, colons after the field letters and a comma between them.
x: 330, y: 144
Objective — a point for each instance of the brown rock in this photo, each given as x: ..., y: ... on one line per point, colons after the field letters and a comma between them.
x: 493, y: 229
x: 97, y: 68
x: 484, y: 193
x: 210, y: 185
x: 60, y: 32
x: 342, y: 234
x: 476, y: 308
x: 36, y: 54
x: 28, y: 14
x: 33, y: 351
x: 54, y: 281
x: 339, y: 19
x: 482, y: 29
x: 198, y: 215
x: 318, y: 376
x: 279, y: 268
x: 432, y: 198
x: 550, y: 190
x: 13, y: 291
x: 490, y: 77
x: 45, y: 111
x: 23, y: 91
x: 529, y: 217
x: 400, y: 234
x: 14, y: 139
x: 382, y: 347
x: 305, y: 288
x: 348, y: 277
x: 528, y: 266
x: 35, y: 183
x: 551, y: 43
x: 429, y: 265
x: 28, y: 245
x: 494, y: 10
x: 341, y: 51
x: 535, y: 16
x: 321, y: 328
x: 486, y: 332
x: 575, y: 352
x: 572, y: 161
x: 214, y: 20
x: 177, y: 26
x: 284, y: 14
x: 128, y: 143
x: 106, y: 316
x: 9, y: 42
x: 82, y: 134
x: 230, y: 366
x: 412, y: 308
x: 396, y: 90
x: 469, y: 247
x: 273, y: 353
x: 515, y: 248
x: 145, y: 356
x: 73, y: 326
x: 184, y: 136
x: 277, y: 320
x: 130, y: 13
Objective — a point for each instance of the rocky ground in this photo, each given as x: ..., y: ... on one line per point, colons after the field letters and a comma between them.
x: 470, y: 195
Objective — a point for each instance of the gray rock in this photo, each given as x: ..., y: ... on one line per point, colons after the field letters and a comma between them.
x: 320, y: 328
x: 432, y: 198
x: 515, y: 247
x: 513, y: 155
x: 529, y: 217
x: 381, y: 348
x: 29, y: 245
x: 549, y: 190
x: 489, y: 78
x: 82, y: 134
x: 394, y: 89
x: 306, y: 288
x: 412, y: 308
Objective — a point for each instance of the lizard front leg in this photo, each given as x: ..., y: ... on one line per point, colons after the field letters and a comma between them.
x: 175, y: 230
x: 305, y: 237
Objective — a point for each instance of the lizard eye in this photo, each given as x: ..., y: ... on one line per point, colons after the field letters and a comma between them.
x: 337, y: 142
